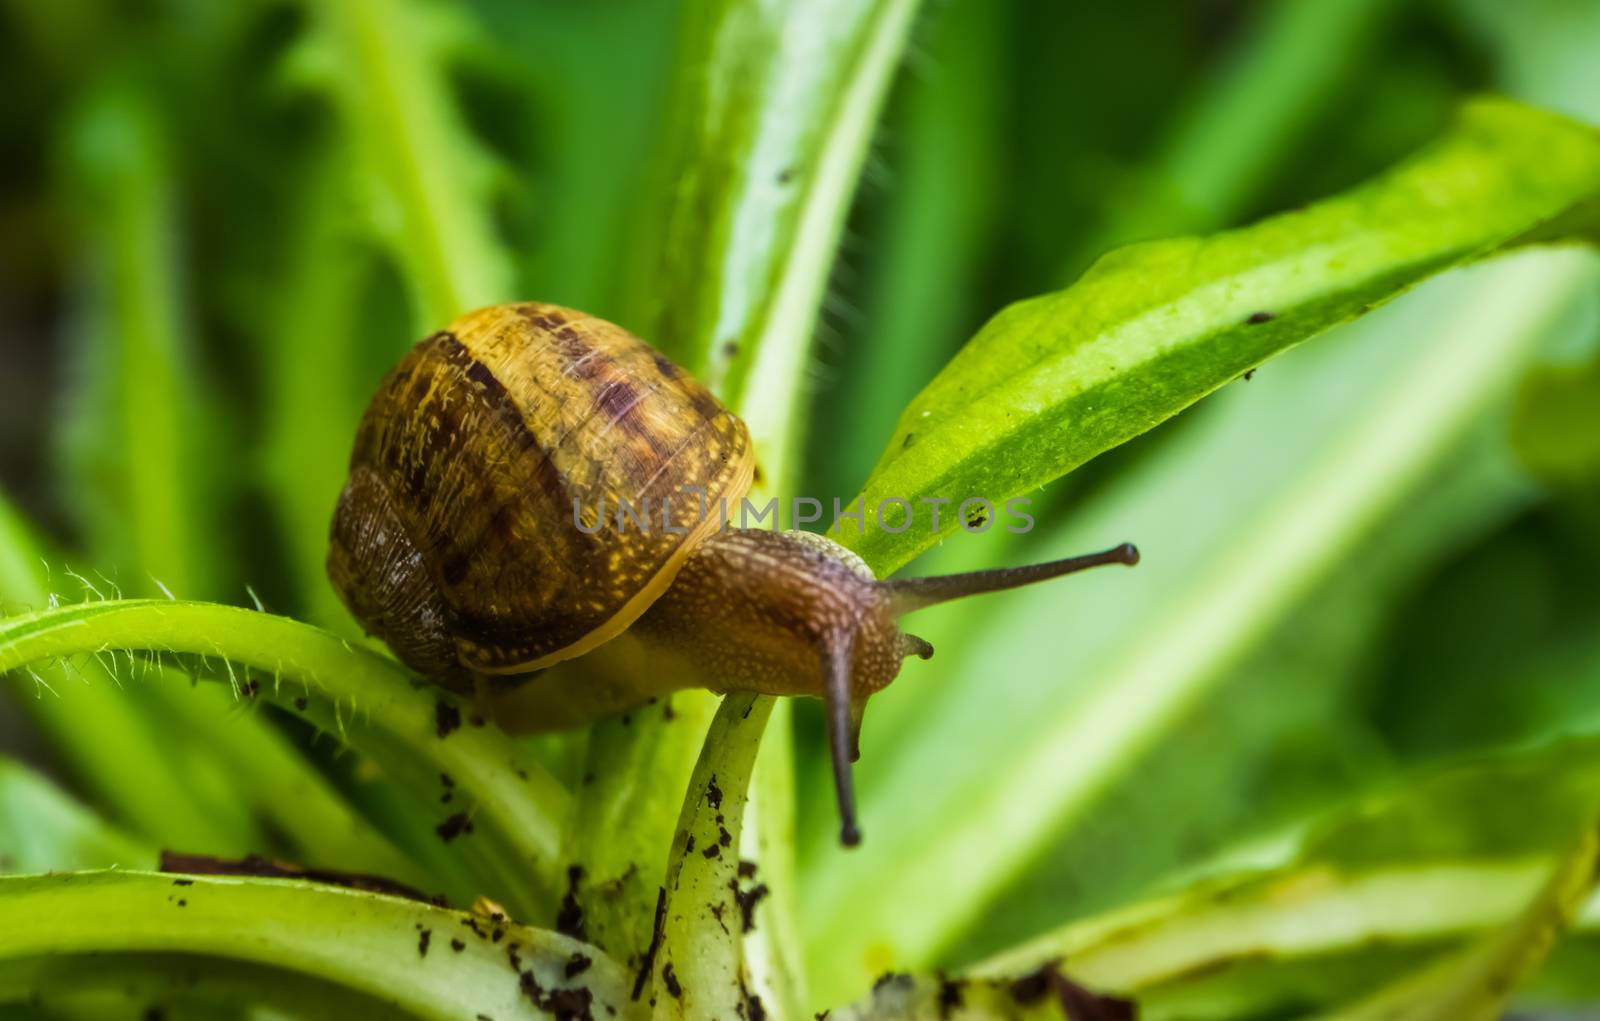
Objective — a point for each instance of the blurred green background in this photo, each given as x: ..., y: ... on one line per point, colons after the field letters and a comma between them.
x: 220, y: 222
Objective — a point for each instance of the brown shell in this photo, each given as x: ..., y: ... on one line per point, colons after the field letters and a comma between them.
x: 457, y: 538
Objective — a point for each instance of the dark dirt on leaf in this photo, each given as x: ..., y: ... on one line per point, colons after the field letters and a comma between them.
x: 266, y: 868
x: 446, y: 719
x: 454, y: 827
x: 657, y: 932
x: 569, y: 922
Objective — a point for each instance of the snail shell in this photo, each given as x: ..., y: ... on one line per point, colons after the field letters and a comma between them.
x: 455, y: 538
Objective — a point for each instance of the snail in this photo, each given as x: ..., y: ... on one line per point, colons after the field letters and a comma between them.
x: 472, y: 537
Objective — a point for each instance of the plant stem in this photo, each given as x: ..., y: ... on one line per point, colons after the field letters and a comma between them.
x: 771, y: 122
x: 703, y: 924
x: 111, y: 745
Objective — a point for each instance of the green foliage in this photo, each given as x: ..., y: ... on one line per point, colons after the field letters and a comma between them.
x: 398, y: 952
x: 702, y: 914
x: 134, y: 427
x: 424, y: 738
x: 1051, y: 382
x: 224, y: 222
x: 423, y: 176
x: 1063, y: 745
x: 1501, y: 844
x: 41, y: 829
x: 1554, y: 413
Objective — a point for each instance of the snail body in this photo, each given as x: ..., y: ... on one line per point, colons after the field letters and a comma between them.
x: 776, y: 600
x: 471, y: 537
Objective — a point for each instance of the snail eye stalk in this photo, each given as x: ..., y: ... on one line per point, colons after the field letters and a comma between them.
x: 911, y: 594
x: 843, y: 724
x: 911, y: 645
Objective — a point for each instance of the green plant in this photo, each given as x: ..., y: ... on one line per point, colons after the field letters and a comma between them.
x: 1054, y: 843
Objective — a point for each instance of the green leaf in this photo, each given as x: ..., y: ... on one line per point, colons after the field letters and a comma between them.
x: 138, y: 413
x: 43, y: 829
x: 503, y: 809
x: 774, y: 951
x: 768, y: 127
x: 698, y: 970
x: 950, y: 159
x: 131, y: 746
x: 1449, y: 853
x: 315, y: 378
x: 111, y: 744
x: 636, y: 768
x: 1044, y: 993
x: 170, y: 985
x: 1262, y: 99
x: 1475, y: 984
x: 1056, y: 702
x: 1555, y: 429
x: 424, y: 176
x: 768, y: 130
x: 396, y: 950
x: 1150, y: 329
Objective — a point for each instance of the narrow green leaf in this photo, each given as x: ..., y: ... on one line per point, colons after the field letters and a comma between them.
x: 110, y: 741
x: 1475, y: 984
x: 767, y: 134
x: 768, y: 127
x: 1446, y: 854
x: 424, y: 175
x: 398, y: 951
x: 773, y: 950
x: 170, y: 985
x: 505, y: 811
x: 1161, y: 947
x: 698, y: 971
x: 43, y: 829
x: 312, y: 371
x: 636, y: 768
x: 1053, y: 381
x: 1289, y: 988
x: 136, y: 427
